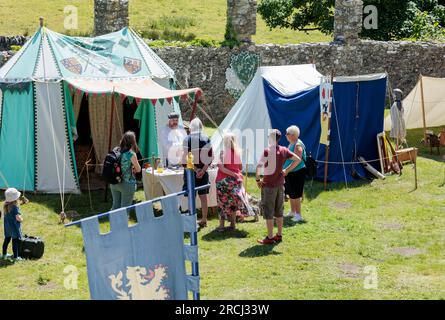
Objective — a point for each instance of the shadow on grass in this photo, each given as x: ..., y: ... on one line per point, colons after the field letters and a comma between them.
x: 288, y: 223
x: 259, y: 251
x: 4, y: 263
x: 220, y: 236
x: 312, y: 189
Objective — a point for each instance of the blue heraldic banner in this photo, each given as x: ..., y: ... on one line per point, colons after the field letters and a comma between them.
x: 145, y: 261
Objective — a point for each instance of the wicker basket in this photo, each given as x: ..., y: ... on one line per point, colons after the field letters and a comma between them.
x: 407, y: 155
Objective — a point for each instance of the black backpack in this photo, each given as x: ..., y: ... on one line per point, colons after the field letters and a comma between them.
x: 311, y: 166
x: 111, y: 171
x: 310, y: 163
x: 31, y: 247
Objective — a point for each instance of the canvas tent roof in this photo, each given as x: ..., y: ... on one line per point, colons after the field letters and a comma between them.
x: 50, y: 56
x: 38, y: 154
x: 278, y: 97
x: 434, y: 101
x: 140, y: 89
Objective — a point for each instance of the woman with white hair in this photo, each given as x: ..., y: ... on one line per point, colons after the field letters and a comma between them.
x: 199, y: 145
x: 295, y: 179
x: 229, y: 184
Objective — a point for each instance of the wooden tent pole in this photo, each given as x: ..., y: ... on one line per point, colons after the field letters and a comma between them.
x: 326, y: 166
x: 422, y: 94
x: 111, y: 121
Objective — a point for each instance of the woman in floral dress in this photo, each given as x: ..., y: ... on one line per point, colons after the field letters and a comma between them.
x: 229, y: 184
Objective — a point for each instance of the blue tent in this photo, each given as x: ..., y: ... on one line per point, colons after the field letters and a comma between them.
x: 279, y: 97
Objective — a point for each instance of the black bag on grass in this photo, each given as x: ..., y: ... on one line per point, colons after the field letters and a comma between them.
x: 31, y: 247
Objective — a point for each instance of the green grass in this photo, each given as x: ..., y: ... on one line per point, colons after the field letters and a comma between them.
x: 346, y: 230
x: 209, y: 18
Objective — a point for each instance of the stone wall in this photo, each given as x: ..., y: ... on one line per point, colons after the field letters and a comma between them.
x: 208, y: 67
x: 241, y: 18
x: 7, y: 42
x: 223, y: 73
x: 348, y: 20
x: 110, y: 16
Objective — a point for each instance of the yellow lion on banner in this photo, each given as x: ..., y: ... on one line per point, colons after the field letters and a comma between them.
x: 142, y: 285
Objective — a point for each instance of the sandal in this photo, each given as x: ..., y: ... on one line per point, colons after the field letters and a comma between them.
x: 202, y: 224
x: 220, y: 229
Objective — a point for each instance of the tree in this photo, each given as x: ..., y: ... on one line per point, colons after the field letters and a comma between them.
x: 396, y: 19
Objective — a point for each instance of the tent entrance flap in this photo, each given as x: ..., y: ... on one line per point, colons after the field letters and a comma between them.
x: 17, y: 140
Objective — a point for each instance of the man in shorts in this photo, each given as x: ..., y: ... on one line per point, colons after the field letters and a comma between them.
x: 272, y: 185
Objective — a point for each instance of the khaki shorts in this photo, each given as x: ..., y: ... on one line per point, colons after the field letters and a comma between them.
x: 272, y: 202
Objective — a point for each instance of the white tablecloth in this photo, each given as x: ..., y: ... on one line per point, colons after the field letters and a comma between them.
x: 171, y: 181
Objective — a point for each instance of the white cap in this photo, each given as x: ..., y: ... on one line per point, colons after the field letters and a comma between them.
x: 12, y: 195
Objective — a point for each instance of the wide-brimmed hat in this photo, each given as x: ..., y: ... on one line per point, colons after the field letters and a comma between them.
x: 11, y: 195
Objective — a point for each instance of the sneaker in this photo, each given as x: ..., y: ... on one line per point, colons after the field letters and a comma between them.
x: 297, y: 218
x: 267, y: 241
x: 290, y: 214
x: 18, y: 259
x: 278, y: 238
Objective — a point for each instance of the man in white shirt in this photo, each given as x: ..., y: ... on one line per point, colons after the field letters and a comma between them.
x: 172, y: 137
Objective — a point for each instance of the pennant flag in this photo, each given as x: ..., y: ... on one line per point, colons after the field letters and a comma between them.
x: 192, y: 95
x: 130, y: 99
x: 138, y: 101
x: 184, y: 97
x: 170, y: 100
x: 122, y: 97
x: 176, y: 99
x: 153, y: 102
x: 161, y: 101
x: 143, y: 263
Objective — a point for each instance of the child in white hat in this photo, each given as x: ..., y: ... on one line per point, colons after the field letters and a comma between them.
x: 12, y: 222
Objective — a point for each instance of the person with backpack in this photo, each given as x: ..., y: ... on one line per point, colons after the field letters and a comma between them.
x: 127, y: 166
x: 12, y: 222
x: 294, y: 180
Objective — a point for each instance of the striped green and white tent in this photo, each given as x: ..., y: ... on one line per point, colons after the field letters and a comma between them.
x: 37, y: 121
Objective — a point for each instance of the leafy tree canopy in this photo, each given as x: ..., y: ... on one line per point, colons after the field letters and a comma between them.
x: 418, y: 19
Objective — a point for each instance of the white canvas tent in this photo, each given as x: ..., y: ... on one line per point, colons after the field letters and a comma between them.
x: 426, y: 111
x: 250, y: 111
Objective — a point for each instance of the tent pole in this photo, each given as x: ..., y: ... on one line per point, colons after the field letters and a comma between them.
x: 195, y: 103
x: 423, y: 107
x: 247, y: 168
x: 326, y: 166
x: 109, y: 137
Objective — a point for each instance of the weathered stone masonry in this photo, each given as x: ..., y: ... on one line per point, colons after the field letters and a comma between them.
x: 404, y: 62
x: 207, y: 67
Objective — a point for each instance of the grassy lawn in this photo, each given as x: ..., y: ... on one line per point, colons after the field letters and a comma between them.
x: 209, y: 18
x: 383, y: 224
